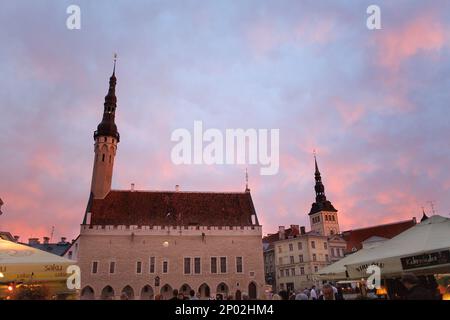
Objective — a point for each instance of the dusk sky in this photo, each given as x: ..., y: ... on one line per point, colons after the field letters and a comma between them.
x: 373, y: 103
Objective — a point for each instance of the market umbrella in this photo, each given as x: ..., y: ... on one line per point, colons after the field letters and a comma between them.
x: 21, y: 263
x: 422, y: 249
x: 337, y: 270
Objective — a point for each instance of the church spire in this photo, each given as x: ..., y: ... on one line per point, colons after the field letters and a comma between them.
x: 321, y: 203
x: 319, y: 187
x: 246, y: 181
x: 108, y: 126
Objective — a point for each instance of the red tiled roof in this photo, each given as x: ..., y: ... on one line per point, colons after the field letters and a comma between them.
x: 173, y: 208
x: 288, y: 233
x: 355, y: 237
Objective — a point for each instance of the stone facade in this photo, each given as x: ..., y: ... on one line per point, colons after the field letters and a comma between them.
x: 105, y: 152
x: 126, y: 247
x: 298, y: 258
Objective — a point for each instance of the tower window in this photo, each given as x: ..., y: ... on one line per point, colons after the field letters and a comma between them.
x: 103, y: 157
x: 105, y: 139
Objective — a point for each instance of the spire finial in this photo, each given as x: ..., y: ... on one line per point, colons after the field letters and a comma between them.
x: 315, y: 161
x: 115, y: 60
x: 246, y: 180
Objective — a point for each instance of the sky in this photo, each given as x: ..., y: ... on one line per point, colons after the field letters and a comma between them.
x: 372, y: 103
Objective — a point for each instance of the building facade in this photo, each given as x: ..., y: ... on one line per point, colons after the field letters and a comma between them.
x: 137, y: 244
x: 298, y: 255
x: 269, y: 265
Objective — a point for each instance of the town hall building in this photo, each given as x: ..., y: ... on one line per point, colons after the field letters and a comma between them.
x: 137, y: 244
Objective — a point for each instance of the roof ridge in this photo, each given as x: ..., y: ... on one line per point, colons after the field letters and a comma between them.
x: 381, y: 225
x: 174, y: 191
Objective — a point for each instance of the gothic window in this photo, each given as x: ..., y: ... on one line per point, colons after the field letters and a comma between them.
x: 239, y: 268
x: 152, y: 265
x: 103, y: 157
x: 197, y: 265
x: 94, y: 267
x: 187, y: 265
x: 213, y: 265
x: 110, y: 158
x: 223, y: 264
x: 112, y: 267
x: 138, y: 267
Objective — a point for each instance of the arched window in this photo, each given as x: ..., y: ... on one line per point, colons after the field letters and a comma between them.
x: 147, y: 293
x: 103, y: 157
x: 252, y: 290
x: 87, y: 293
x: 108, y: 293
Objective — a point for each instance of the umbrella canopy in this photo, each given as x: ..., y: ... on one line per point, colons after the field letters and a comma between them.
x: 20, y: 263
x: 337, y: 270
x: 424, y: 248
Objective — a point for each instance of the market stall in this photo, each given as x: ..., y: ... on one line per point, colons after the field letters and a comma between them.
x: 22, y: 266
x: 422, y: 249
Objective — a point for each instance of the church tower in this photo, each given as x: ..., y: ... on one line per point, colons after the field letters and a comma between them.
x: 106, y: 138
x: 323, y: 216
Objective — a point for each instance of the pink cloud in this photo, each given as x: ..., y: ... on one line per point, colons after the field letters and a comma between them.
x: 424, y: 34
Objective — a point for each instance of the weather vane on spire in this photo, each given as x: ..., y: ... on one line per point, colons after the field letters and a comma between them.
x: 115, y: 60
x: 246, y: 180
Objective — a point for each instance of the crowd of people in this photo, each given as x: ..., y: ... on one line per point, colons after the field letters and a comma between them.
x: 329, y: 291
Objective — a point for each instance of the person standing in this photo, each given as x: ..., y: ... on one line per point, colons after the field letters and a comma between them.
x: 327, y: 293
x: 313, y: 293
x: 415, y: 290
x: 192, y: 295
x: 174, y: 295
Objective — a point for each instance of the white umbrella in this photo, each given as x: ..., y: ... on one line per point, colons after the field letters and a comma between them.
x: 21, y: 263
x: 424, y: 248
x: 337, y: 270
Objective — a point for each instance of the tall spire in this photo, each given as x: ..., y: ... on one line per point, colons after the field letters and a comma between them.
x: 108, y: 126
x: 246, y: 181
x: 319, y: 187
x: 321, y: 204
x: 115, y: 60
